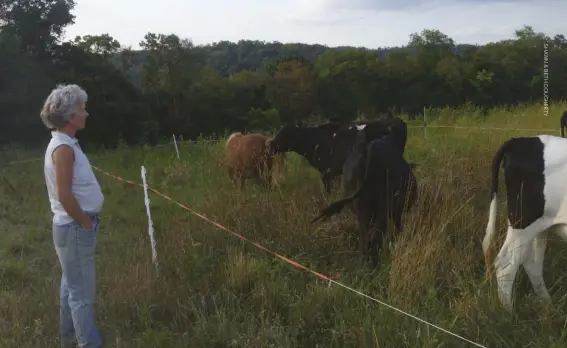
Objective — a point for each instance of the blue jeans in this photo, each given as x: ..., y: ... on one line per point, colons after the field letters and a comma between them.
x: 75, y: 249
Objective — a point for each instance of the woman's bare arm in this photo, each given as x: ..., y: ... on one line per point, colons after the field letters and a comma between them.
x: 63, y: 159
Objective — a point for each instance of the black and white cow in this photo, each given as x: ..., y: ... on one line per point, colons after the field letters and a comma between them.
x: 386, y: 188
x: 320, y: 146
x: 535, y: 174
x: 313, y: 143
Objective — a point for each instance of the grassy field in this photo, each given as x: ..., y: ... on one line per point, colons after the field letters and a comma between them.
x: 214, y: 290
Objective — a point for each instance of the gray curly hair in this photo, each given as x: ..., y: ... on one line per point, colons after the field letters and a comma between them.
x: 61, y: 104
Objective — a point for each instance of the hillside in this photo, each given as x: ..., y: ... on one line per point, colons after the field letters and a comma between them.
x: 228, y: 58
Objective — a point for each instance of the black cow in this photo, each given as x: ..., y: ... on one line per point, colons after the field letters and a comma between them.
x: 387, y: 188
x: 535, y: 169
x: 313, y: 143
x: 365, y: 133
x: 320, y: 146
x: 563, y: 123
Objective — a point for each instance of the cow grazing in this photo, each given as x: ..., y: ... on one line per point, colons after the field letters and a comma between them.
x: 563, y: 123
x: 386, y: 185
x: 247, y: 156
x: 320, y: 146
x: 313, y: 143
x: 535, y: 172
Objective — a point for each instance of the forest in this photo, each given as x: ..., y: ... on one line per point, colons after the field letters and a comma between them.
x: 172, y: 86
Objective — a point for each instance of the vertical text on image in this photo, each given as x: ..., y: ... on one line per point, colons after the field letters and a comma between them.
x: 545, y: 79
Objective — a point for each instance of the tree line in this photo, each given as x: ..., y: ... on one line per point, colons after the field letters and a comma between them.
x: 171, y: 86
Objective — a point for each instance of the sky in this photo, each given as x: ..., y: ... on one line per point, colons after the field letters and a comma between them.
x: 368, y: 23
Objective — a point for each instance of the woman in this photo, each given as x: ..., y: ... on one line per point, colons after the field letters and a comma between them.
x: 76, y: 200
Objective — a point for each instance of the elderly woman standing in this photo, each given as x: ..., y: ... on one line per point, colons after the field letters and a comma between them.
x: 76, y: 200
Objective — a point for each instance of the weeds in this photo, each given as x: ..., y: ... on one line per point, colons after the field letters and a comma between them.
x: 214, y: 290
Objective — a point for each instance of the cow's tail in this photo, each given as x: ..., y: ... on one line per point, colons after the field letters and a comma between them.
x: 336, y: 207
x: 491, y: 226
x: 369, y: 176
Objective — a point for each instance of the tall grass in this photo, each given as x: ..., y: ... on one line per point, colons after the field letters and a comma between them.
x: 214, y: 290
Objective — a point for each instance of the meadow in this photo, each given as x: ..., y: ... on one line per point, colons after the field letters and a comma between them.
x: 214, y: 290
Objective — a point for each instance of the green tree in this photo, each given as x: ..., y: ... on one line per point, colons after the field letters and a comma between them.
x: 292, y: 90
x: 104, y: 45
x: 168, y: 76
x: 119, y: 111
x: 38, y: 24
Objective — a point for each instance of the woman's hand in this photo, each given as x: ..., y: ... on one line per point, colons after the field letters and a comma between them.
x: 88, y: 224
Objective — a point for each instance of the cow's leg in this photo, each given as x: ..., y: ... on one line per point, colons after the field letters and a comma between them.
x: 397, y: 217
x: 512, y: 255
x: 237, y: 177
x: 232, y: 176
x: 363, y: 218
x: 327, y: 181
x: 242, y: 179
x: 363, y: 233
x: 378, y: 228
x: 534, y: 266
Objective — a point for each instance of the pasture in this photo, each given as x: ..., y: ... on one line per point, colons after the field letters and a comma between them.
x: 214, y: 290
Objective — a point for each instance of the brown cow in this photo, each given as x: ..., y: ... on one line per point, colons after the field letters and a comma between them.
x: 247, y: 157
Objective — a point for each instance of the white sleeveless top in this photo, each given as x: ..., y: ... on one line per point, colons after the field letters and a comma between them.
x: 85, y: 187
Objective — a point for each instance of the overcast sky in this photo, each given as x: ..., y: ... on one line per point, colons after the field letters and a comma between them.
x: 369, y: 23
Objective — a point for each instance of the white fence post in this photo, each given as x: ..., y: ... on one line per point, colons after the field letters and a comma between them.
x: 150, y: 224
x: 175, y: 143
x: 425, y: 122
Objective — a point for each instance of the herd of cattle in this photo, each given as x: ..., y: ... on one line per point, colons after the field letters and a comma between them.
x: 380, y: 185
x: 369, y: 155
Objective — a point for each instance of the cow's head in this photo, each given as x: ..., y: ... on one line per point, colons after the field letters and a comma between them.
x: 345, y: 135
x: 363, y: 133
x: 288, y: 138
x: 399, y: 130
